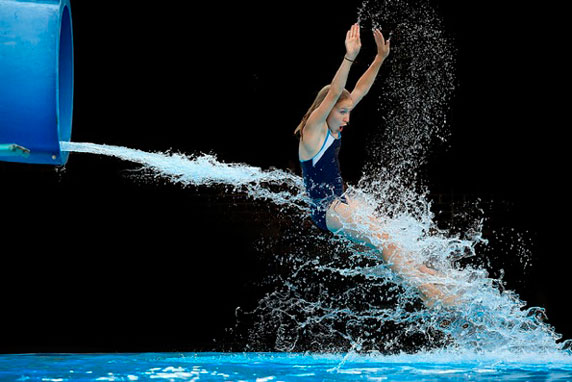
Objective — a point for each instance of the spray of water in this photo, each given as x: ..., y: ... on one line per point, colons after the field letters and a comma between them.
x: 206, y: 170
x: 345, y: 297
x: 414, y: 98
x: 331, y: 294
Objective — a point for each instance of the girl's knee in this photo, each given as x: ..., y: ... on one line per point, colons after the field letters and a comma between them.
x: 425, y: 269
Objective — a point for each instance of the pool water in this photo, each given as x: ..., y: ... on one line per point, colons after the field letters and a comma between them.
x: 262, y: 367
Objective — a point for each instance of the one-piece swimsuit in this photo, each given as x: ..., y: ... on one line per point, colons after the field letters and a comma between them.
x: 323, y: 179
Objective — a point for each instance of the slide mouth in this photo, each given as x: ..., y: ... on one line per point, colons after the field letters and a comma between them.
x: 37, y: 77
x: 65, y: 76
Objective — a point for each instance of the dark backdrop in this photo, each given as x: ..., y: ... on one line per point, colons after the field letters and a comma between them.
x: 94, y: 260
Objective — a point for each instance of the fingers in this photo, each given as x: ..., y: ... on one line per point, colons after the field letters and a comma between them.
x: 378, y: 36
x: 381, y: 36
x: 354, y: 32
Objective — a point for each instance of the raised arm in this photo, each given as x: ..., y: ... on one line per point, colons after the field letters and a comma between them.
x: 319, y: 116
x: 366, y: 80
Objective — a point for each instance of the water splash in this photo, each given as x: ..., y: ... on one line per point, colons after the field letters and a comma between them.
x: 345, y: 297
x: 206, y: 170
x: 414, y: 97
x: 330, y: 294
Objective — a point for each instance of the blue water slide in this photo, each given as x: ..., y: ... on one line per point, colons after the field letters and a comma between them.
x: 36, y: 80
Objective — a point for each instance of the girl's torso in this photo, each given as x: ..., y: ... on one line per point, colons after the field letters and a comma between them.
x: 311, y: 145
x: 321, y: 167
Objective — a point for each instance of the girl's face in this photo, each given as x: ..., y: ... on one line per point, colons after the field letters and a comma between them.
x: 340, y: 116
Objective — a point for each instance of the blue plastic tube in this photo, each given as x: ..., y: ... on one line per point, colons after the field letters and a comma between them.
x: 36, y: 78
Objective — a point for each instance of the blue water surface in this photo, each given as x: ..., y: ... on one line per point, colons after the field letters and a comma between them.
x: 263, y: 367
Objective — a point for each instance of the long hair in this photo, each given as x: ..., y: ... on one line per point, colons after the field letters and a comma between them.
x: 317, y: 102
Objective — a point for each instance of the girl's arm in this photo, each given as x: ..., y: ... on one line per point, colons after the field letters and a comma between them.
x: 366, y: 81
x: 319, y: 116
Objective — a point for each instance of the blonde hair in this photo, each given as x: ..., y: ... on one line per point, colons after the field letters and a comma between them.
x: 317, y: 102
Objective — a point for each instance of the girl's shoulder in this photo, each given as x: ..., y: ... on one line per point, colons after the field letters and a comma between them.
x: 312, y: 141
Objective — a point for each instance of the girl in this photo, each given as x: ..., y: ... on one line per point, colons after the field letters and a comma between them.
x: 320, y: 139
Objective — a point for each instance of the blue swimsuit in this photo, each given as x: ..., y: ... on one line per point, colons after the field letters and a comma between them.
x: 323, y: 180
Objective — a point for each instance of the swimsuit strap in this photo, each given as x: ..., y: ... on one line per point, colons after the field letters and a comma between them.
x: 327, y: 143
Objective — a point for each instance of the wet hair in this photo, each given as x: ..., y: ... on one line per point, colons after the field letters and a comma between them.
x: 317, y: 102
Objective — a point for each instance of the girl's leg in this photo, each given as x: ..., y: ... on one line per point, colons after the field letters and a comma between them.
x: 345, y: 219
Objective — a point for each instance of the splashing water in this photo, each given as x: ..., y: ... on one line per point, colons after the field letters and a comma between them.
x: 204, y: 170
x: 418, y: 86
x: 335, y: 295
x: 334, y: 302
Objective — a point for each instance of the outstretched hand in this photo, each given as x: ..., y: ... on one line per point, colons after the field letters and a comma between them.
x: 353, y: 43
x: 382, y: 44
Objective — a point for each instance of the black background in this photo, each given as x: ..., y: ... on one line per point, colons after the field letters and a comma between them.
x: 94, y: 260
